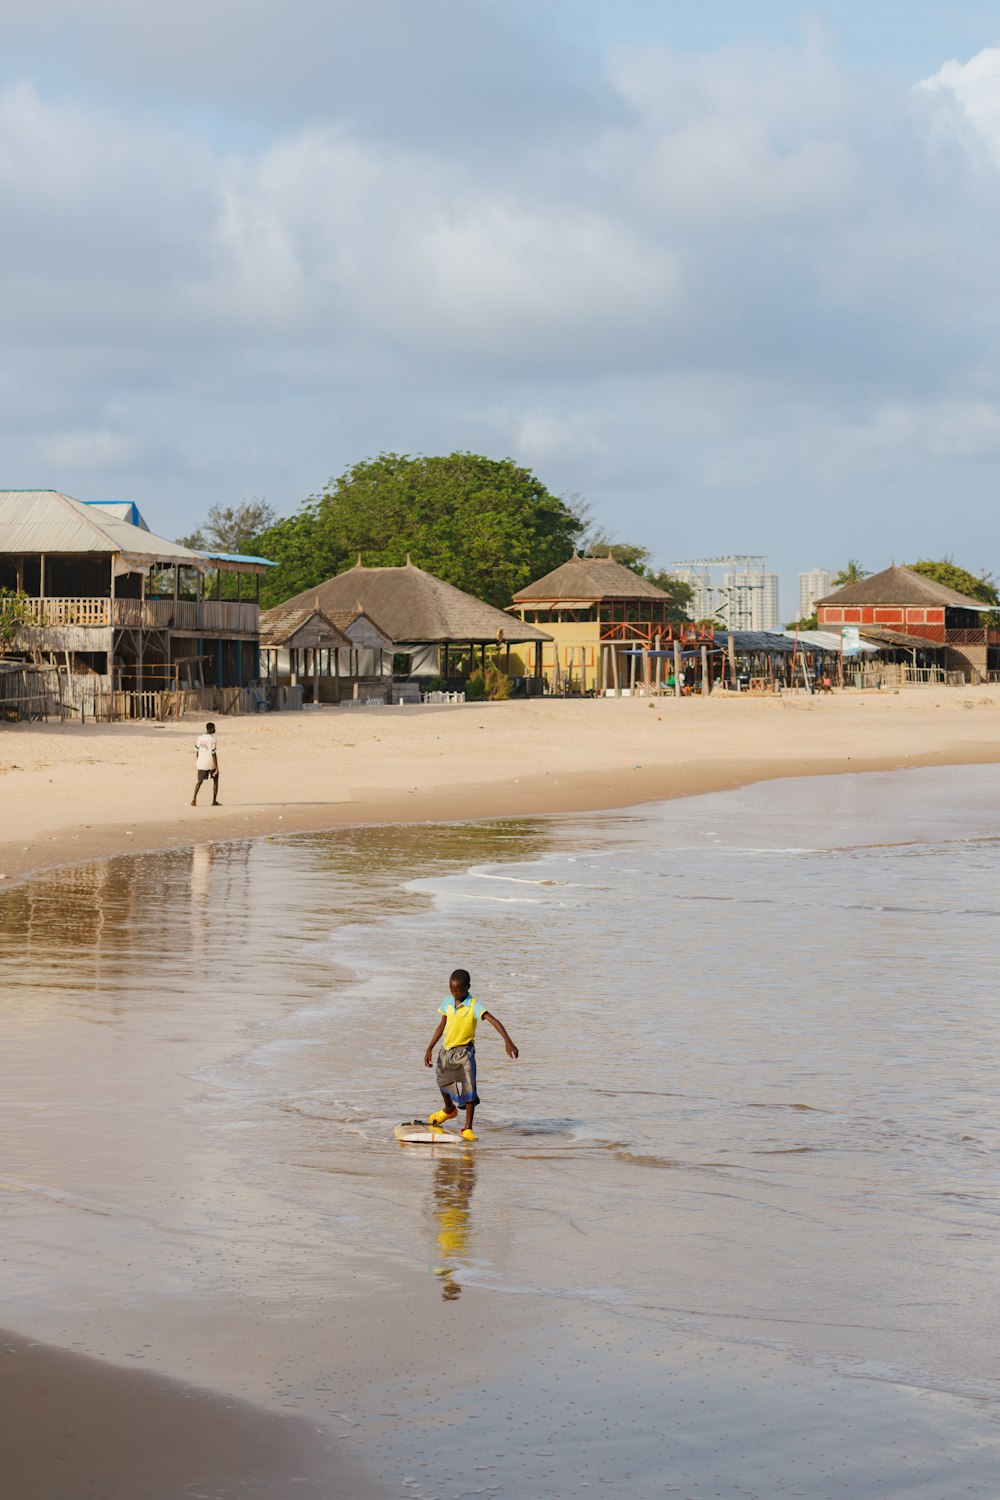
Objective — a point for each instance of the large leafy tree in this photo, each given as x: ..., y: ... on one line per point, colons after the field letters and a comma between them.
x: 972, y: 585
x: 483, y: 524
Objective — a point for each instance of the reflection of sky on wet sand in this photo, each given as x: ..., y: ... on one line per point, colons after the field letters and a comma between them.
x: 753, y: 1106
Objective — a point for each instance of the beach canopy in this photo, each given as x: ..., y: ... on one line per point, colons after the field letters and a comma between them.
x: 412, y: 606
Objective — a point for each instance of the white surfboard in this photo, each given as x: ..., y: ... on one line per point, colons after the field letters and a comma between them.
x: 419, y: 1133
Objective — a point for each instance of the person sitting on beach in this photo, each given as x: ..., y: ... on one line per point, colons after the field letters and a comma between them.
x: 456, y: 1062
x: 206, y: 759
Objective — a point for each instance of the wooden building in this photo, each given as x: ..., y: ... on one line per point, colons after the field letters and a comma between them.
x: 331, y: 655
x: 120, y: 609
x: 597, y: 612
x: 436, y: 629
x: 920, y: 612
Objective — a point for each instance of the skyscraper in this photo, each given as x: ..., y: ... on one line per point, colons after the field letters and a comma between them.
x: 812, y: 586
x: 751, y: 601
x: 702, y: 606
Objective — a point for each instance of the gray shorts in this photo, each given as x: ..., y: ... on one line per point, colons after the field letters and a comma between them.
x: 456, y: 1073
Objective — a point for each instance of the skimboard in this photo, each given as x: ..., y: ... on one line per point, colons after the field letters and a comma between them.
x: 419, y: 1133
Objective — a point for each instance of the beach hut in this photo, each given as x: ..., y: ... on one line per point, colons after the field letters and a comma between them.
x: 331, y: 654
x: 608, y: 626
x: 436, y: 629
x: 120, y: 610
x: 936, y: 626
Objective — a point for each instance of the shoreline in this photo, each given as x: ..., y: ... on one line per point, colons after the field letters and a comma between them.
x: 281, y: 1447
x: 641, y: 764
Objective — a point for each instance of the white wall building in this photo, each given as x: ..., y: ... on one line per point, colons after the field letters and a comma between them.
x: 813, y: 585
x: 702, y: 606
x: 750, y: 601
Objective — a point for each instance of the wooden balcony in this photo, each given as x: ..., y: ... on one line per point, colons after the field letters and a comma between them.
x: 215, y: 616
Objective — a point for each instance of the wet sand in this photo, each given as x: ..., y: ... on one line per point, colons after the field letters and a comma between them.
x: 247, y: 1401
x: 81, y: 1429
x: 74, y: 792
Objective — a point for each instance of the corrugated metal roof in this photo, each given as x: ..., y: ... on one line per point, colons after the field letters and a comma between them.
x: 239, y: 557
x: 822, y: 640
x: 51, y: 522
x: 122, y: 510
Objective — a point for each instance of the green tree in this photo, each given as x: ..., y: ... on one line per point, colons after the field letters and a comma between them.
x: 851, y: 572
x: 231, y: 528
x: 483, y: 524
x: 15, y: 613
x: 972, y: 585
x: 808, y: 622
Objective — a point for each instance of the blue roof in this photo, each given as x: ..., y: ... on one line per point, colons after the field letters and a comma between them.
x: 238, y: 557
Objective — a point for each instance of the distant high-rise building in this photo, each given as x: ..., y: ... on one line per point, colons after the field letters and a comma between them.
x: 750, y: 601
x: 702, y: 606
x: 812, y: 586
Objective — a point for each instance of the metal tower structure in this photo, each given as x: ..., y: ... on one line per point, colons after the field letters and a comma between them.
x: 733, y: 600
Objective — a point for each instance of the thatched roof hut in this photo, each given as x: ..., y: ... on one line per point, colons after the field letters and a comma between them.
x: 300, y: 629
x: 415, y: 608
x: 902, y: 587
x: 588, y: 580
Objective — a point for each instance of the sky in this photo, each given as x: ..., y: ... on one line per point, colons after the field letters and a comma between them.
x: 727, y: 273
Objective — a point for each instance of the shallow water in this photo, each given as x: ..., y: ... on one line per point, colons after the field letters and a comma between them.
x: 755, y: 1104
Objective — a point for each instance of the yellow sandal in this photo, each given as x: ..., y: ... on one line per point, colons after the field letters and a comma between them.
x: 439, y: 1116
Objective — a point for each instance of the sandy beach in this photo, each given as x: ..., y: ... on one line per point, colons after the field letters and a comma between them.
x: 72, y: 792
x: 224, y: 1282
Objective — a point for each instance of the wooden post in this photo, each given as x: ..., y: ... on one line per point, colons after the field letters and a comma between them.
x: 677, y: 668
x: 315, y: 667
x: 614, y: 669
x: 557, y: 674
x: 659, y: 662
x: 632, y: 664
x: 645, y: 667
x: 706, y: 686
x: 41, y: 575
x: 731, y: 648
x: 583, y: 671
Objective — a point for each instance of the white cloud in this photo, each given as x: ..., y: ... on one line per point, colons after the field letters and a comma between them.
x: 974, y: 89
x: 759, y: 274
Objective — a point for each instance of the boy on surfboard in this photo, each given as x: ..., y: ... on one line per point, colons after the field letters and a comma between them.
x: 456, y: 1062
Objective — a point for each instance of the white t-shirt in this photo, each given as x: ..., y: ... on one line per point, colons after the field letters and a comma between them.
x: 205, y: 750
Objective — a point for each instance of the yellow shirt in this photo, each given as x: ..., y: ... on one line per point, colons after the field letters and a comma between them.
x: 460, y: 1021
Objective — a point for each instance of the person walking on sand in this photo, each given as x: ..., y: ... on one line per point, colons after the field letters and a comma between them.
x: 206, y: 760
x: 456, y: 1062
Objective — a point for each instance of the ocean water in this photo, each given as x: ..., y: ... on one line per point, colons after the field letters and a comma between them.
x: 754, y: 1112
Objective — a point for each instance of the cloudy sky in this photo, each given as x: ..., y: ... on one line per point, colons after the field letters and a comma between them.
x: 727, y: 271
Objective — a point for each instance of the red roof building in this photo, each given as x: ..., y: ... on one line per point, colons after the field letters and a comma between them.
x: 898, y: 601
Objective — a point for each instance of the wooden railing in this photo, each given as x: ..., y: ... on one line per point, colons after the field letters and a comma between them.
x: 212, y: 615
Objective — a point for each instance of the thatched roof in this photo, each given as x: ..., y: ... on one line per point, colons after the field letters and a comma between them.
x: 413, y: 606
x: 901, y: 586
x: 588, y: 580
x: 281, y: 627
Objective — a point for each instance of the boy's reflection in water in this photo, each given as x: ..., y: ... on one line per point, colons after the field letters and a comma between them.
x: 454, y: 1180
